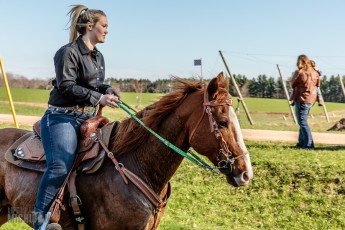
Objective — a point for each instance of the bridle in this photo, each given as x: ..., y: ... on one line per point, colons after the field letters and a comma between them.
x: 214, y: 127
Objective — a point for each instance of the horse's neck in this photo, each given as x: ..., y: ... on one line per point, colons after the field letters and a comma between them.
x: 154, y: 162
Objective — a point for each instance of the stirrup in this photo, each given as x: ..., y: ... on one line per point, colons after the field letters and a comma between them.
x: 53, y: 226
x: 49, y: 226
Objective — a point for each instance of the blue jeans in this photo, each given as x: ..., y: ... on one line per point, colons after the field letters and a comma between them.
x: 60, y: 131
x: 305, y: 139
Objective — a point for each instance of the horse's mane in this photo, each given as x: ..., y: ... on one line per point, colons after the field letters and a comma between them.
x: 130, y: 135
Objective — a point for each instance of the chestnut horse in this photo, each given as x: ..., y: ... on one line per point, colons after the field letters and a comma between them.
x: 187, y: 117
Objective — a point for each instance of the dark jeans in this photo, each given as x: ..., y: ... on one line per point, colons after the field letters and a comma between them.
x: 305, y: 139
x: 60, y: 133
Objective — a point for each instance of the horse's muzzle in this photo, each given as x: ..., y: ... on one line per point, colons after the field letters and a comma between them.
x: 237, y: 181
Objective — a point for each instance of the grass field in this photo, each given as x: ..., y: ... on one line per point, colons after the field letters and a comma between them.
x: 291, y: 189
x: 266, y: 113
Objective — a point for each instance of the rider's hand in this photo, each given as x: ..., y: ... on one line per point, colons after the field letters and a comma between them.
x: 109, y: 100
x: 112, y: 91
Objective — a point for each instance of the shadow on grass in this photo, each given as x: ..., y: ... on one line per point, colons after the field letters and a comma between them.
x: 318, y: 148
x: 331, y: 148
x: 291, y: 146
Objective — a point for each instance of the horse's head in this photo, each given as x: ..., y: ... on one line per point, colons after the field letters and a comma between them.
x: 193, y: 115
x: 214, y: 132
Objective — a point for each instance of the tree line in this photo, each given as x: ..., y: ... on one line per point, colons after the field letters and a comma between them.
x: 269, y: 87
x: 260, y: 87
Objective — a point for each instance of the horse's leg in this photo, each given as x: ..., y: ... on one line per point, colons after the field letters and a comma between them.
x: 4, y: 215
x: 12, y: 179
x: 3, y: 199
x: 7, y: 138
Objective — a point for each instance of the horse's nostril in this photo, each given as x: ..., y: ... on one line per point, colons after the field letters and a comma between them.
x: 245, y: 176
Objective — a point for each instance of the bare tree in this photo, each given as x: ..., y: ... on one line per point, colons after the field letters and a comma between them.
x: 138, y: 87
x: 20, y: 81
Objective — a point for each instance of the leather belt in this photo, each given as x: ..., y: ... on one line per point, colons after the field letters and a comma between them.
x: 87, y: 110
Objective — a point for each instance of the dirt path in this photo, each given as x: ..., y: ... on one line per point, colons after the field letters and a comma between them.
x: 290, y: 136
x: 21, y: 119
x: 249, y: 134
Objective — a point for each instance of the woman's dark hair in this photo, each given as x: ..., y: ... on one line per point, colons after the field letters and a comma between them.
x: 79, y: 17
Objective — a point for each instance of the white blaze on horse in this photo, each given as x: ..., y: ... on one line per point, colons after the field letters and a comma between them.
x: 194, y: 115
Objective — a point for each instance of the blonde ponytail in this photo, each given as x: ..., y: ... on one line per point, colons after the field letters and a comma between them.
x: 79, y: 17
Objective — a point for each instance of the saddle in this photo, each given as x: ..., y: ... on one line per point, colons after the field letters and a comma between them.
x: 27, y: 152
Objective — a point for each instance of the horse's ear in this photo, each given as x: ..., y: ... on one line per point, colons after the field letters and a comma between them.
x: 215, y: 84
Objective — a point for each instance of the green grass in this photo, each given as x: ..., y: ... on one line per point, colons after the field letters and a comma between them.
x: 42, y: 96
x: 16, y: 224
x: 281, y: 106
x: 272, y: 114
x: 26, y: 95
x: 291, y: 189
x: 254, y: 105
x: 33, y: 102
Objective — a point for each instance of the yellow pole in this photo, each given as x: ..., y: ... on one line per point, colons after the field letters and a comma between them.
x: 8, y: 94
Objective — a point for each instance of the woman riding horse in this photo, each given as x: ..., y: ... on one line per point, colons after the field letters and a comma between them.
x: 77, y: 93
x: 194, y: 115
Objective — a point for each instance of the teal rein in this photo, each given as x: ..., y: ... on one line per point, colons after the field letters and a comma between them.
x: 193, y: 154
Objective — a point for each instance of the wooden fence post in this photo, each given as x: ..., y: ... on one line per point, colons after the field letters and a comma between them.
x: 342, y: 84
x: 287, y: 96
x: 237, y: 89
x: 324, y: 106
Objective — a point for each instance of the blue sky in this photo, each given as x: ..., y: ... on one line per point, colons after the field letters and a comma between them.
x: 157, y: 39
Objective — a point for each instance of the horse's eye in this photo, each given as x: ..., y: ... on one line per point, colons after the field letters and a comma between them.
x: 223, y: 124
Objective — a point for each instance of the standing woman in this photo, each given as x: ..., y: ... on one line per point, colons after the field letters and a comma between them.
x: 304, y: 83
x: 77, y: 94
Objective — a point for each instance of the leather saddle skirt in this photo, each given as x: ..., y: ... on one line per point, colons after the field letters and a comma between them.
x: 27, y: 152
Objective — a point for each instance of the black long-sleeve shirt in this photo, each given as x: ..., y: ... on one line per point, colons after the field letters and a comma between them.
x: 80, y: 75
